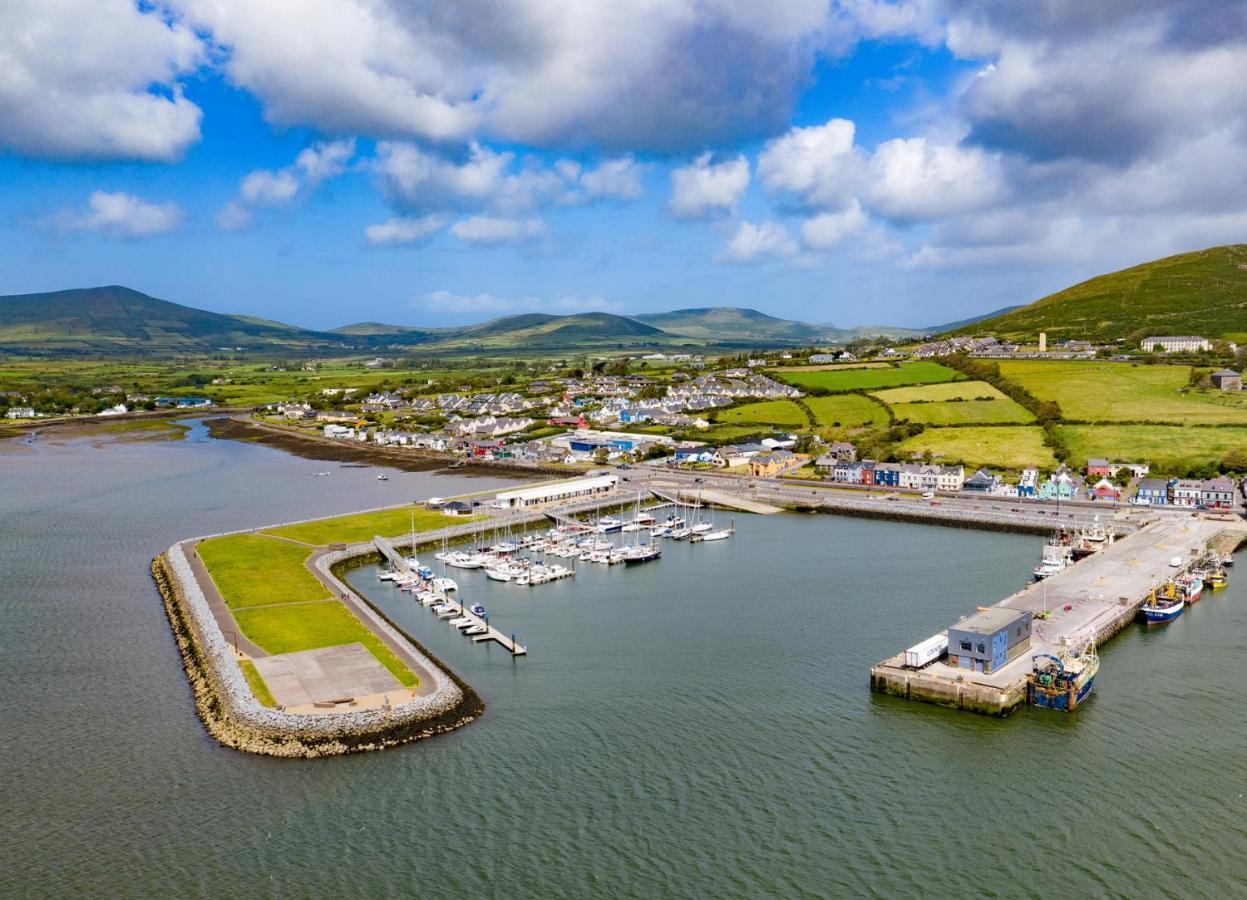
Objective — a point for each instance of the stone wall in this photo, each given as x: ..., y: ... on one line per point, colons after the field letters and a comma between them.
x: 233, y: 716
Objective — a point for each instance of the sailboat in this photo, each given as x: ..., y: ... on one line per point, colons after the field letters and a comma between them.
x: 638, y: 552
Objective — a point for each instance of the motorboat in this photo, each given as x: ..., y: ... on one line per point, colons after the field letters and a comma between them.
x: 461, y: 560
x: 444, y: 584
x: 498, y: 574
x: 477, y: 609
x: 721, y: 535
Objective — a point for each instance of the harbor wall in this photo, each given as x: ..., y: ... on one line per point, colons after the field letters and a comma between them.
x: 231, y: 713
x: 971, y: 696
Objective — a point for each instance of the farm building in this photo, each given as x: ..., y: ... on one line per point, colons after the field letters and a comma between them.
x: 1227, y: 380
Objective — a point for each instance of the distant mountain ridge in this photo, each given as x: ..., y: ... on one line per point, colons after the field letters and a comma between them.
x: 116, y: 320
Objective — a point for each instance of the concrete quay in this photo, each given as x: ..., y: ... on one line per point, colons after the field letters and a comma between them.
x: 1103, y: 594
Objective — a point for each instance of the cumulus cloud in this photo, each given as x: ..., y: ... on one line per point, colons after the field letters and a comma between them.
x: 95, y: 79
x: 824, y: 231
x: 615, y: 178
x: 497, y: 230
x: 818, y: 163
x: 705, y: 187
x: 631, y: 74
x: 121, y: 215
x: 449, y: 301
x: 277, y: 187
x: 917, y: 179
x: 757, y: 243
x: 404, y: 230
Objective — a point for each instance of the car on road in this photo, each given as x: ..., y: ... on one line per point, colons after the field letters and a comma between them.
x: 928, y: 495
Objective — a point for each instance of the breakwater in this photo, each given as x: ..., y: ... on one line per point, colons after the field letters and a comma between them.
x: 233, y: 715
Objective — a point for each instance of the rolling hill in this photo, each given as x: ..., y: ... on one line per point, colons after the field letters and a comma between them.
x: 717, y: 323
x: 1203, y: 293
x: 117, y: 319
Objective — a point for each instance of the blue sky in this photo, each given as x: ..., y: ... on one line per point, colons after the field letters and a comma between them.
x: 851, y: 162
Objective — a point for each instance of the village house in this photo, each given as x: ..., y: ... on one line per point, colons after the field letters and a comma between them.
x: 1187, y: 493
x: 981, y: 482
x: 1152, y: 492
x: 887, y: 474
x: 1227, y: 380
x: 772, y: 464
x: 842, y: 450
x: 21, y: 412
x: 1217, y: 493
x: 1028, y: 483
x: 847, y: 472
x: 738, y: 454
x: 1061, y: 485
x: 930, y: 477
x: 1105, y: 490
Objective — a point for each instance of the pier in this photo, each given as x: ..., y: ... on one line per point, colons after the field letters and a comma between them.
x: 490, y: 633
x: 1088, y: 602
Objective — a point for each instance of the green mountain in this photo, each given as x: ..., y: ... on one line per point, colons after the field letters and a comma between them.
x: 542, y: 331
x: 731, y: 323
x: 115, y: 319
x: 1203, y: 293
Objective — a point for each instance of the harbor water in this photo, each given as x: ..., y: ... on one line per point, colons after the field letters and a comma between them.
x: 698, y: 726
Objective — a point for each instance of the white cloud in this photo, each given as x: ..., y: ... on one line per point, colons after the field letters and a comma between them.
x: 497, y: 230
x: 824, y: 231
x: 278, y: 187
x: 631, y: 74
x: 415, y: 179
x: 818, y: 163
x: 757, y: 243
x: 617, y: 178
x: 702, y: 188
x: 266, y: 188
x: 917, y: 179
x: 77, y: 78
x: 121, y: 215
x: 404, y: 230
x: 448, y: 301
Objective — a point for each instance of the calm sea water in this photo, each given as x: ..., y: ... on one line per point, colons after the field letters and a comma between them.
x: 701, y: 726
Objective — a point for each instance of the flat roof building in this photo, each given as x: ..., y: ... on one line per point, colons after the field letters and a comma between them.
x: 988, y: 639
x: 550, y: 493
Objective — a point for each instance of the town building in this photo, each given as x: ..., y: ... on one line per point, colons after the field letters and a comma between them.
x: 550, y: 493
x: 773, y: 463
x: 988, y: 639
x: 981, y: 482
x: 1028, y: 483
x: 1152, y: 492
x: 1105, y: 490
x: 1175, y: 343
x: 842, y: 450
x: 1217, y: 493
x: 1187, y: 493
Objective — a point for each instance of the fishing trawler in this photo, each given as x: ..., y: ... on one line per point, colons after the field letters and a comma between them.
x: 1164, y: 604
x: 1064, y: 680
x: 1057, y: 557
x: 1091, y: 540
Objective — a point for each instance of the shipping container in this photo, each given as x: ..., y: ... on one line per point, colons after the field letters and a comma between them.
x: 927, y: 652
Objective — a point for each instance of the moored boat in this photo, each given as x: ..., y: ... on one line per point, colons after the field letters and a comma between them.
x: 1062, y: 681
x: 1163, y: 605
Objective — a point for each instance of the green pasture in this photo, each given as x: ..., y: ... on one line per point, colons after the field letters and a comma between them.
x: 780, y: 413
x: 846, y: 411
x: 1171, y: 450
x: 1004, y: 447
x: 866, y: 379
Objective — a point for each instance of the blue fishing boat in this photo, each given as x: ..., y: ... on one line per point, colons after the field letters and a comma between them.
x: 1062, y: 682
x: 1163, y: 605
x: 477, y: 609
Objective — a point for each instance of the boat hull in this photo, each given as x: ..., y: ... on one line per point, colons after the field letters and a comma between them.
x: 1153, y: 615
x: 1065, y: 701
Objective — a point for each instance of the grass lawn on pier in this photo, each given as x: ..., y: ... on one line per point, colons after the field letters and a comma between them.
x: 252, y: 570
x: 367, y: 525
x: 309, y: 626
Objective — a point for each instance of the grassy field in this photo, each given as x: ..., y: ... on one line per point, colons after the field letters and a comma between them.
x: 1004, y: 447
x: 288, y: 629
x: 250, y: 570
x: 1121, y: 392
x: 365, y: 526
x: 1170, y: 450
x: 934, y: 393
x: 256, y: 683
x: 964, y: 412
x: 831, y: 367
x: 846, y: 411
x: 783, y: 413
x: 727, y: 434
x: 858, y: 379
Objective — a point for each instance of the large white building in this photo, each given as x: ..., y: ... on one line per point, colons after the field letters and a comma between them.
x: 1175, y: 343
x: 561, y: 490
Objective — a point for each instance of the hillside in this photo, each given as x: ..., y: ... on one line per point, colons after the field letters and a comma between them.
x: 117, y: 319
x: 541, y: 331
x: 1204, y: 293
x: 730, y: 323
